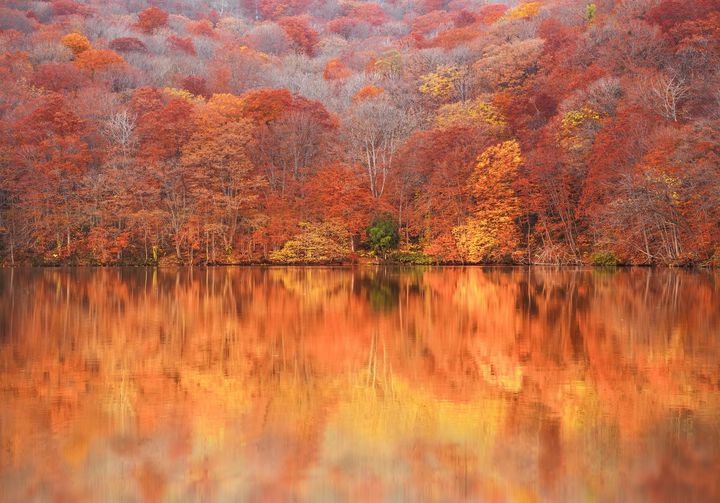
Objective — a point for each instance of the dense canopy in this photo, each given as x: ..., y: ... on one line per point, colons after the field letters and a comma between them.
x: 555, y: 131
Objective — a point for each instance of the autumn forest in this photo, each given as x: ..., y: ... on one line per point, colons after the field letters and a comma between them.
x: 337, y: 131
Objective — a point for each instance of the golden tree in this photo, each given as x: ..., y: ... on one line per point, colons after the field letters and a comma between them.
x: 76, y: 42
x: 491, y: 233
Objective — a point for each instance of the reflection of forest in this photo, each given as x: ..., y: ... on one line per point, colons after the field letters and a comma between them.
x: 467, y: 383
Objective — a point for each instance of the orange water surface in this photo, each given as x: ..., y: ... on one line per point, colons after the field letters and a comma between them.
x: 369, y: 384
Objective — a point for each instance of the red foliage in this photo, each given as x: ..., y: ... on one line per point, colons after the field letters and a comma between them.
x: 343, y: 25
x: 182, y: 44
x: 669, y: 13
x: 195, y: 85
x: 69, y: 8
x: 146, y: 99
x: 304, y: 38
x: 58, y: 77
x: 488, y: 14
x: 464, y: 18
x: 455, y: 37
x: 56, y: 132
x: 429, y: 22
x: 336, y: 191
x: 151, y: 19
x: 618, y: 146
x: 127, y: 44
x: 164, y: 131
x: 98, y: 60
x: 368, y: 12
x: 598, y: 168
x: 275, y: 9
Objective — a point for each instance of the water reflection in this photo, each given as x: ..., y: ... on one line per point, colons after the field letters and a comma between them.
x: 332, y: 384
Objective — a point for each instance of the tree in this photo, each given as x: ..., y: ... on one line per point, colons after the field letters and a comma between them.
x: 336, y: 70
x: 667, y: 93
x: 431, y: 192
x: 323, y: 242
x: 447, y: 82
x: 383, y: 235
x: 127, y: 44
x: 224, y: 191
x: 76, y: 42
x: 491, y: 233
x: 524, y: 10
x: 151, y: 19
x: 303, y: 37
x: 367, y: 92
x: 59, y: 77
x: 55, y: 156
x: 182, y: 44
x: 508, y: 66
x: 336, y: 191
x: 375, y: 130
x: 98, y: 60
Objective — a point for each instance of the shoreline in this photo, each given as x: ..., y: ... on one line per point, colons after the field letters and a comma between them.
x: 353, y: 265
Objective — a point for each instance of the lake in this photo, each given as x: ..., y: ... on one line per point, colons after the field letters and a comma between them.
x: 369, y: 384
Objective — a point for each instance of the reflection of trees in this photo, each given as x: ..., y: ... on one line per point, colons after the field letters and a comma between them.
x: 464, y: 376
x: 380, y: 287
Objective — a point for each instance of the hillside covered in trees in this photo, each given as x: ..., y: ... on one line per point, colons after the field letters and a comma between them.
x: 305, y: 131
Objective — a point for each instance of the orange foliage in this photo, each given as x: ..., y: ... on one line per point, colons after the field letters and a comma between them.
x: 336, y: 70
x: 455, y: 37
x: 302, y: 35
x: 97, y: 60
x: 76, y: 42
x: 265, y: 105
x: 202, y: 28
x: 488, y: 14
x: 615, y: 105
x: 151, y: 19
x: 367, y: 92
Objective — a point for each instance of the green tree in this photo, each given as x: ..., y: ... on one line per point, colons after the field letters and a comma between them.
x: 383, y: 235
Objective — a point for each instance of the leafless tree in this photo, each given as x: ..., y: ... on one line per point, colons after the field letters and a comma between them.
x: 119, y: 129
x: 667, y: 93
x: 375, y: 130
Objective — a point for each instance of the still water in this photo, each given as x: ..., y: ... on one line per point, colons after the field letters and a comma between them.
x: 321, y: 384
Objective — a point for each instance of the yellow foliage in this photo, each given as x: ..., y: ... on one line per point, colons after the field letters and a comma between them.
x: 572, y: 125
x: 491, y: 233
x: 576, y: 118
x: 469, y: 113
x: 524, y: 11
x: 442, y: 82
x: 389, y: 63
x: 183, y: 94
x: 318, y: 243
x: 476, y: 240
